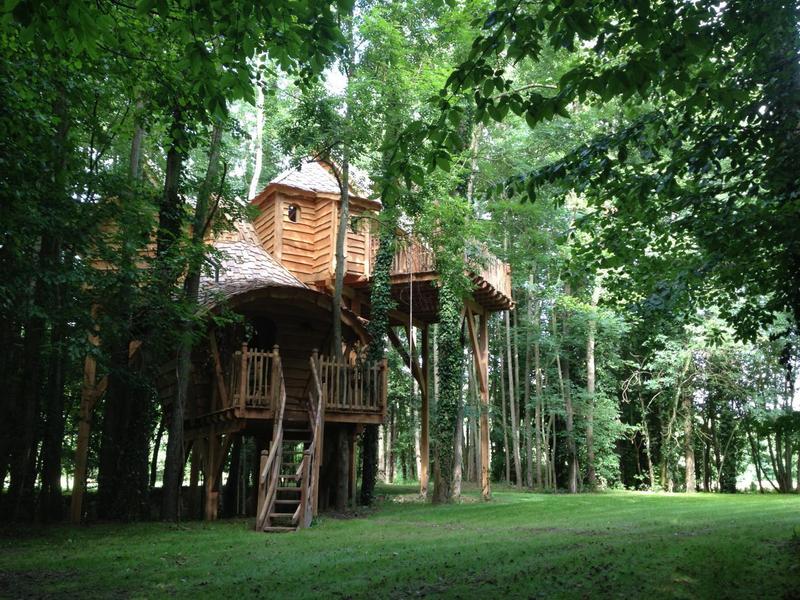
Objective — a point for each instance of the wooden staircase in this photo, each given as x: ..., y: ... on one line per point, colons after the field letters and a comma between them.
x: 289, y: 491
x: 289, y: 472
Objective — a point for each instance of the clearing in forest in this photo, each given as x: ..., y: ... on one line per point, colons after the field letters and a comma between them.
x: 521, y: 545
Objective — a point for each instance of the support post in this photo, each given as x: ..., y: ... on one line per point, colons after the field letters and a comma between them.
x: 215, y: 459
x: 243, y: 379
x: 218, y: 371
x: 210, y: 480
x: 322, y: 399
x: 424, y: 441
x: 262, y: 485
x: 483, y: 364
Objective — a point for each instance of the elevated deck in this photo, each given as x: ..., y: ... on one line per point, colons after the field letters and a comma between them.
x: 414, y: 280
x: 353, y: 393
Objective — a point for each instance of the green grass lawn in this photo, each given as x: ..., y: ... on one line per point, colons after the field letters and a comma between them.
x: 621, y: 545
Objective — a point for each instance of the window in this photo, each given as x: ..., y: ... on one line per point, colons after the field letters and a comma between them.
x: 294, y: 213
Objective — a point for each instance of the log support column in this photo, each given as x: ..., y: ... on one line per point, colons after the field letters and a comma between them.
x: 216, y: 450
x: 480, y: 347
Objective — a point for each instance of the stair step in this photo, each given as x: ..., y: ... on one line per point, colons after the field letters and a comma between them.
x: 278, y: 515
x: 278, y: 529
x: 287, y: 430
x: 284, y: 501
x: 289, y: 489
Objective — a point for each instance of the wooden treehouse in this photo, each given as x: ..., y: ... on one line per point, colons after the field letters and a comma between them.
x: 267, y: 376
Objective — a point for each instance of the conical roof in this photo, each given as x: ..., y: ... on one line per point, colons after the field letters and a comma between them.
x: 317, y: 176
x: 244, y: 266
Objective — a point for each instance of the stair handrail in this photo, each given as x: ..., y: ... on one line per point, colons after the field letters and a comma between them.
x: 270, y: 470
x: 309, y: 466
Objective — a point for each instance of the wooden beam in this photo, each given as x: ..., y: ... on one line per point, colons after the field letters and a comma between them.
x: 218, y: 372
x: 412, y: 365
x: 401, y: 318
x: 215, y: 459
x: 476, y: 350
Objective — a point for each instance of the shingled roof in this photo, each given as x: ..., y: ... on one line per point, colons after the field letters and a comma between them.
x: 316, y: 176
x: 244, y: 266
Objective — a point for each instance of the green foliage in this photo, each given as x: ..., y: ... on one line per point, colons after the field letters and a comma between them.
x: 451, y: 373
x: 702, y: 175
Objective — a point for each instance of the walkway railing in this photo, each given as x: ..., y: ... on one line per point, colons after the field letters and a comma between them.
x: 412, y: 256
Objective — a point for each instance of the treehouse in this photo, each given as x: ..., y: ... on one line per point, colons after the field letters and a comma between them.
x: 264, y: 374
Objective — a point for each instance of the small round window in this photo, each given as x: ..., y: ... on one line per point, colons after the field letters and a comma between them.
x: 294, y: 213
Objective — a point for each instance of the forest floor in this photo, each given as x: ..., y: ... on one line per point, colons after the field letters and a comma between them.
x: 520, y: 545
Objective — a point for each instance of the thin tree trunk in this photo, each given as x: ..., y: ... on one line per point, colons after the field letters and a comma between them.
x: 666, y: 472
x: 392, y: 443
x: 344, y: 192
x: 512, y: 406
x: 51, y: 505
x: 538, y: 416
x: 591, y: 474
x: 458, y: 450
x: 258, y: 138
x: 648, y: 453
x: 688, y: 441
x: 506, y: 449
x: 569, y: 414
x: 756, y: 455
x: 527, y: 390
x: 156, y: 450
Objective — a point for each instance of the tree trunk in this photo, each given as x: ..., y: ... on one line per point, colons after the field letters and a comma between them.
x: 506, y: 449
x: 538, y: 414
x: 450, y: 389
x: 258, y: 138
x: 156, y: 450
x: 175, y: 459
x: 566, y: 394
x: 231, y: 491
x: 458, y: 444
x: 392, y: 443
x: 24, y: 444
x: 51, y: 502
x: 688, y: 443
x: 527, y: 389
x: 648, y: 453
x: 341, y: 494
x: 591, y: 475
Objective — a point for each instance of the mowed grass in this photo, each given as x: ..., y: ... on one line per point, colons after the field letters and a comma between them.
x: 519, y: 545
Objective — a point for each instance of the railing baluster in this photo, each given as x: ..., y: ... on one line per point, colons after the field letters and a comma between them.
x: 244, y: 377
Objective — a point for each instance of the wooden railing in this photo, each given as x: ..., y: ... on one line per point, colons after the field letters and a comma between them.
x: 253, y: 374
x: 494, y: 272
x: 357, y: 388
x: 412, y: 256
x: 270, y: 467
